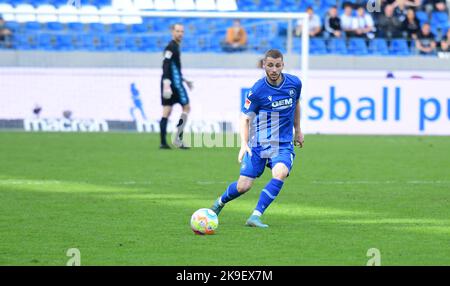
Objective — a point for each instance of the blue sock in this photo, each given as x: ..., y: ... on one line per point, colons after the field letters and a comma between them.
x: 230, y: 194
x: 268, y: 194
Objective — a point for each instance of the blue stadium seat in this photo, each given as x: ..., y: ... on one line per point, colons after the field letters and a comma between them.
x: 337, y: 46
x: 64, y: 42
x: 422, y: 16
x: 399, y: 47
x: 317, y: 46
x: 13, y: 26
x: 46, y: 41
x: 118, y: 28
x: 55, y: 26
x: 97, y: 28
x: 32, y: 26
x: 357, y: 47
x: 139, y: 28
x: 76, y: 27
x: 439, y: 20
x: 379, y: 47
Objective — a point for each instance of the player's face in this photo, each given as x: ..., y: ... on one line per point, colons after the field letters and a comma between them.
x: 177, y: 33
x: 273, y: 68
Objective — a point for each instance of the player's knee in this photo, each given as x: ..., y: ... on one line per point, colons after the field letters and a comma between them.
x: 244, y: 186
x: 280, y: 172
x: 186, y: 108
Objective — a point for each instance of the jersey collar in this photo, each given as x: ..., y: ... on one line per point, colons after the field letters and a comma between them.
x: 276, y: 87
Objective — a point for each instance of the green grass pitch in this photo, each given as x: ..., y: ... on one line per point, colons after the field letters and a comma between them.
x: 122, y: 201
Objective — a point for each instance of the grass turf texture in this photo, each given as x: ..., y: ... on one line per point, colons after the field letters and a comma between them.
x: 122, y: 201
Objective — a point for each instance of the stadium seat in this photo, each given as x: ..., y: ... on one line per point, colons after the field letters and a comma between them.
x: 337, y: 46
x: 399, y: 47
x: 13, y: 26
x: 206, y: 5
x: 45, y: 18
x: 139, y: 28
x: 97, y: 28
x: 226, y: 5
x: 55, y: 26
x: 164, y: 5
x: 379, y: 47
x: 422, y: 16
x: 76, y: 26
x: 357, y: 47
x: 32, y: 26
x: 118, y: 28
x: 184, y: 5
x: 47, y: 41
x: 317, y: 46
x: 29, y: 16
x: 439, y: 20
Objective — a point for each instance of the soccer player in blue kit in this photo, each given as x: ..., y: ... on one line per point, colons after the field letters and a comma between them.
x: 269, y: 117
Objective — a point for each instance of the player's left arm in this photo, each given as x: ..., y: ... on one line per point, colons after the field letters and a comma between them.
x: 299, y: 139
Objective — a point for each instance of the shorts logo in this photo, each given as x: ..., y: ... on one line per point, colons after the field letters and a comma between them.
x: 247, y: 103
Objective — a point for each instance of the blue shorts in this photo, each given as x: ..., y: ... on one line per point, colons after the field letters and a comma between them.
x: 253, y: 166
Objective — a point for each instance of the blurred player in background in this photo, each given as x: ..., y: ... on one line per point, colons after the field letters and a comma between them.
x: 270, y: 114
x: 172, y: 89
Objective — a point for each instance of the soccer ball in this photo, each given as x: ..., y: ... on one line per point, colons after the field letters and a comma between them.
x: 204, y: 221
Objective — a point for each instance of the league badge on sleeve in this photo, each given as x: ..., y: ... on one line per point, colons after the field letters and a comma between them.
x: 247, y: 103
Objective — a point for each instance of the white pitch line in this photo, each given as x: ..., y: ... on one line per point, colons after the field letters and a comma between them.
x: 379, y: 182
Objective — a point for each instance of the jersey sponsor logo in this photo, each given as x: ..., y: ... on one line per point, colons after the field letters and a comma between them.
x: 168, y: 55
x: 247, y: 103
x: 283, y: 103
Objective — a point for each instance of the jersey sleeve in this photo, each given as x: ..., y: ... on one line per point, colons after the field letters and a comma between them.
x: 299, y: 90
x: 168, y: 55
x: 251, y: 103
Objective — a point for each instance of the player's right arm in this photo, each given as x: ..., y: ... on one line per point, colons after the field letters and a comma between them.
x: 167, y: 81
x: 244, y: 131
x: 249, y: 110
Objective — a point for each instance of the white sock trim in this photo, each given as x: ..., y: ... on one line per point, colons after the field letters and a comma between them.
x: 257, y: 213
x: 220, y: 202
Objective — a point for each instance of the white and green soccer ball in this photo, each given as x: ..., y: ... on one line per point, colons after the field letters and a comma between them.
x: 204, y: 221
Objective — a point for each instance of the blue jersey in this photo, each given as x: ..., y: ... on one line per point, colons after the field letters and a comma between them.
x: 272, y: 110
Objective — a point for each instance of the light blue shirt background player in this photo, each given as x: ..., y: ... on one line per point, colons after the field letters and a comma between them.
x: 269, y: 127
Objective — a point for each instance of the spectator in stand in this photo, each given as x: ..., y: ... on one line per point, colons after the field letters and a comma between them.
x: 347, y: 20
x: 5, y: 34
x: 435, y: 5
x: 315, y: 24
x: 425, y: 43
x: 363, y: 24
x: 444, y: 48
x: 236, y: 38
x: 389, y: 26
x: 411, y: 25
x: 333, y: 23
x: 401, y: 9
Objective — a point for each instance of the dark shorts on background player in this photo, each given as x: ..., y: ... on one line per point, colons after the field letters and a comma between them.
x: 179, y: 95
x: 253, y: 166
